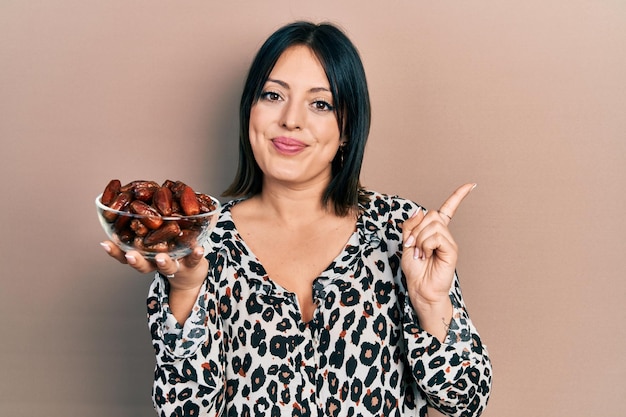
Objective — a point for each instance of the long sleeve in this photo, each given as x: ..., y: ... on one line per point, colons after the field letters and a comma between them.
x: 189, y: 375
x: 454, y: 375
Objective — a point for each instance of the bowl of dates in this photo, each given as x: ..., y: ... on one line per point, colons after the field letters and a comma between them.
x: 153, y: 218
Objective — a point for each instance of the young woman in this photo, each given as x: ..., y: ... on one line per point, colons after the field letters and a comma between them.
x: 315, y: 296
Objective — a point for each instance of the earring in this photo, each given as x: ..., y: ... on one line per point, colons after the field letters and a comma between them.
x: 341, y: 155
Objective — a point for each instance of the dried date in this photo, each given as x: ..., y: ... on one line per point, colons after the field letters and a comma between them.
x: 138, y: 227
x: 162, y: 200
x: 111, y: 191
x: 144, y: 190
x: 167, y: 232
x: 156, y: 219
x: 119, y: 203
x: 149, y: 215
x: 189, y: 202
x: 187, y: 237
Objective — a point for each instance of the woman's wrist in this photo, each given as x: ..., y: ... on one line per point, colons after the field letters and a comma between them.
x: 434, y: 317
x: 184, y: 290
x: 190, y: 279
x: 182, y: 301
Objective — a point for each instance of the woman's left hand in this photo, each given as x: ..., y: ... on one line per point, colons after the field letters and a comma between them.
x: 429, y: 258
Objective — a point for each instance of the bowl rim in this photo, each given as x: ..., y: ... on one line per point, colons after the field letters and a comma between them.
x: 217, y: 203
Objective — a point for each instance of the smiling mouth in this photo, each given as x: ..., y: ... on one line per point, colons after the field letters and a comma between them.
x: 288, y: 146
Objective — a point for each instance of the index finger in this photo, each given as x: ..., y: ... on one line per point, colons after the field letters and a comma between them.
x: 449, y: 207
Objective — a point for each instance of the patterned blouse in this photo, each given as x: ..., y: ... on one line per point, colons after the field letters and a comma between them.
x: 245, y: 351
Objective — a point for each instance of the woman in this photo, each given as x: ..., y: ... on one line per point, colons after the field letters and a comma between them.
x: 316, y: 297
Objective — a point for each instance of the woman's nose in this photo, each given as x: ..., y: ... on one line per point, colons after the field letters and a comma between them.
x: 293, y: 116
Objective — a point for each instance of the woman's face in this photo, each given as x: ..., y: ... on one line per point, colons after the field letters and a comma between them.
x: 293, y: 129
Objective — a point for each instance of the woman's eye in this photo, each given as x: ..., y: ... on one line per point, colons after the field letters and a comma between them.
x: 322, y: 105
x: 270, y: 96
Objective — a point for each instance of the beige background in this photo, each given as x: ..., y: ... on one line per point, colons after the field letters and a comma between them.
x: 527, y: 98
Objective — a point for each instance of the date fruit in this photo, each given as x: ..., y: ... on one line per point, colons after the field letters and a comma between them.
x: 112, y: 189
x: 189, y: 202
x: 169, y: 231
x: 119, y: 203
x: 152, y: 217
x: 163, y: 200
x: 149, y: 215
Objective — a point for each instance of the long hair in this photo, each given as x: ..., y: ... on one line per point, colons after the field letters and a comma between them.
x: 344, y: 70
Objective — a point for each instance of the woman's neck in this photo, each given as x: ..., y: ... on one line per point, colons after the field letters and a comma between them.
x: 293, y: 206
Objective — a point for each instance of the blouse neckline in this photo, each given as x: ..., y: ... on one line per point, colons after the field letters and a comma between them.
x: 337, y: 268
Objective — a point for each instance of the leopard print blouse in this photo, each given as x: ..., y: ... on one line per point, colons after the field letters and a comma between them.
x: 244, y: 350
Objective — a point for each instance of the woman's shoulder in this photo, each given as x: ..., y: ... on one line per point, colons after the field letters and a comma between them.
x: 224, y: 227
x: 229, y: 204
x: 227, y: 207
x: 379, y: 204
x: 381, y: 217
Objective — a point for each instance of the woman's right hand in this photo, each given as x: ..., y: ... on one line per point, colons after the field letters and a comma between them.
x: 185, y: 275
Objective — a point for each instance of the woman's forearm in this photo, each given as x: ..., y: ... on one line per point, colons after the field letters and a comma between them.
x: 181, y: 302
x: 434, y: 319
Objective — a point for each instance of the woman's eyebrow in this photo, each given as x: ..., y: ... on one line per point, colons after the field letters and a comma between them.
x: 279, y: 82
x: 286, y: 86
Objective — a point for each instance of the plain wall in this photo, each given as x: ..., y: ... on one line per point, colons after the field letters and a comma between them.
x: 526, y: 98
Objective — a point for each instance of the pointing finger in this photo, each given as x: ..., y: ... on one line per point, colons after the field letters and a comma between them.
x: 449, y: 207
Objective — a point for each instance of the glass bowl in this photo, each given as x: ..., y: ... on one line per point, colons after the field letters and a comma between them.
x: 175, y: 235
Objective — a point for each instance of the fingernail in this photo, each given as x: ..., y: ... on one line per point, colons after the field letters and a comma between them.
x: 416, y: 254
x: 474, y: 186
x: 414, y: 213
x: 160, y: 262
x: 409, y: 241
x: 106, y: 247
x: 131, y: 259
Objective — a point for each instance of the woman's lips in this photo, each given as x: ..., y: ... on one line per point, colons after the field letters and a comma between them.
x: 288, y: 146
